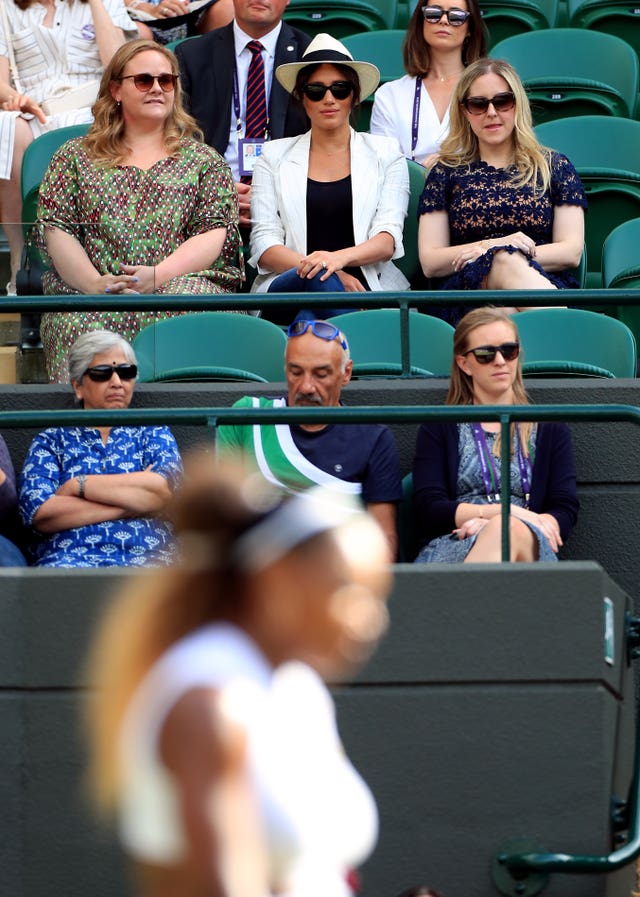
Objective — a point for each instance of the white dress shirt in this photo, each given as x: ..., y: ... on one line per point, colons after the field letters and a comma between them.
x: 243, y: 59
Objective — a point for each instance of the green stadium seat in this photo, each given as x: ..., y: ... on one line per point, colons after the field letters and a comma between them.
x: 383, y: 49
x: 374, y: 341
x: 211, y: 346
x: 174, y: 43
x: 571, y: 342
x: 409, y: 264
x: 606, y: 154
x: 621, y: 269
x: 36, y: 161
x: 568, y: 72
x: 608, y: 16
x: 340, y: 18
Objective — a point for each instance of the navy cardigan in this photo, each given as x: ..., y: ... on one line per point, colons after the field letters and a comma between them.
x: 435, y: 475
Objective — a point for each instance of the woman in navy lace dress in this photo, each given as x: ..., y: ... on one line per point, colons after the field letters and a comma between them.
x: 499, y: 211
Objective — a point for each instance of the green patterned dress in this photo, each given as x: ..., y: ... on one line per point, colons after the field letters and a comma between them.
x: 126, y: 216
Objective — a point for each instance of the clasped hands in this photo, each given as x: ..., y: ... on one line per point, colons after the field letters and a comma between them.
x: 546, y: 523
x: 132, y: 279
x: 473, y: 251
x: 328, y: 263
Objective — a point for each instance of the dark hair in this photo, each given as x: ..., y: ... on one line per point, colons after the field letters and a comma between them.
x: 305, y: 74
x: 415, y: 50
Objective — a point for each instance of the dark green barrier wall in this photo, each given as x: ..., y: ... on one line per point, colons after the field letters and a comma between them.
x: 489, y: 712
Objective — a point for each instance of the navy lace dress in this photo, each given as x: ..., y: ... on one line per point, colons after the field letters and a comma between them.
x: 482, y: 204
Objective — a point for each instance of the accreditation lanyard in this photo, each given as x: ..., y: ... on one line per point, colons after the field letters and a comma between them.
x: 415, y: 118
x: 236, y: 107
x: 489, y: 470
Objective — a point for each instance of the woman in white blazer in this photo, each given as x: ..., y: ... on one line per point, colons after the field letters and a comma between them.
x: 328, y: 207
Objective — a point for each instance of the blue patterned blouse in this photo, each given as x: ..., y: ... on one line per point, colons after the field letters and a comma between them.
x: 58, y: 455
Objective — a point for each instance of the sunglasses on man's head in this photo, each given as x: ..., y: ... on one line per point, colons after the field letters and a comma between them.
x: 103, y: 372
x: 501, y: 102
x: 322, y: 329
x: 144, y: 82
x: 486, y: 354
x: 455, y: 17
x: 315, y: 91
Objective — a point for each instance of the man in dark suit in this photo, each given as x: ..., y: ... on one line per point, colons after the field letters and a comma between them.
x: 213, y: 75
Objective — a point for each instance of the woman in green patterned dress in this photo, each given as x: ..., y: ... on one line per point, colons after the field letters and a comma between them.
x: 139, y: 205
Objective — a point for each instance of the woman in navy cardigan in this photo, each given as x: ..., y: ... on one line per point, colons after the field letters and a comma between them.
x: 456, y: 471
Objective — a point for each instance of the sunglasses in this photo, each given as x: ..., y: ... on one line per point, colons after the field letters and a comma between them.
x: 144, y: 82
x: 455, y: 17
x: 501, y: 102
x: 486, y: 354
x: 322, y: 329
x: 103, y: 372
x: 315, y: 91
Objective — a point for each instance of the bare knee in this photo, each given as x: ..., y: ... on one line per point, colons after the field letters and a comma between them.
x: 523, y: 542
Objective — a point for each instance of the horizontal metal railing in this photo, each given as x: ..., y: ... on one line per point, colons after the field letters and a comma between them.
x: 213, y: 417
x: 402, y: 300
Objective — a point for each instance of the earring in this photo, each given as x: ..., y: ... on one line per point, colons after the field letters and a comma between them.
x: 118, y: 104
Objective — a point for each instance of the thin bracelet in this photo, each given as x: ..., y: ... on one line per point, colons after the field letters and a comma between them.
x: 82, y: 479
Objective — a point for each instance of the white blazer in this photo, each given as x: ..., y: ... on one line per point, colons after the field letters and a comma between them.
x: 380, y: 188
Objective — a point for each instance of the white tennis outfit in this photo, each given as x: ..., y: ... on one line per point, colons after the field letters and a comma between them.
x: 66, y: 54
x: 392, y: 116
x: 318, y: 815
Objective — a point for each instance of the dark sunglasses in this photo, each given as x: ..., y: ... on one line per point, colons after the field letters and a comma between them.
x: 144, y: 82
x: 486, y: 354
x: 315, y: 91
x: 501, y: 102
x: 455, y: 17
x: 322, y: 329
x: 103, y: 372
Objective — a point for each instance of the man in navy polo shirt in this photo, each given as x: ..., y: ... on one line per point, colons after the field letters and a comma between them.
x: 359, y: 459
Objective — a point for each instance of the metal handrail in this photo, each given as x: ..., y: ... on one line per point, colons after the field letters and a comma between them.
x: 213, y: 417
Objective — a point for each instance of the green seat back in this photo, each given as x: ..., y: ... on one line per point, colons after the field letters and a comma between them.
x: 409, y: 264
x: 384, y: 50
x: 615, y: 17
x: 211, y: 346
x: 340, y: 18
x: 573, y: 342
x: 621, y: 268
x: 506, y: 18
x: 606, y: 154
x: 408, y: 545
x: 36, y: 161
x: 175, y: 43
x: 374, y: 341
x: 569, y: 72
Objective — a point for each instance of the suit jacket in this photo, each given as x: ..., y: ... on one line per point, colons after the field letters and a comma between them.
x: 380, y: 188
x: 206, y: 76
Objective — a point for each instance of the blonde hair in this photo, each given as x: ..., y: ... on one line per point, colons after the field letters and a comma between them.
x: 157, y: 608
x: 461, y: 384
x: 531, y: 160
x: 105, y: 141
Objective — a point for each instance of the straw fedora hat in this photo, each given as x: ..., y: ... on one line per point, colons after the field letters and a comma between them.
x: 326, y: 49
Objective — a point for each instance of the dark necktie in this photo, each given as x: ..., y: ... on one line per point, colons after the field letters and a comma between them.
x: 256, y: 115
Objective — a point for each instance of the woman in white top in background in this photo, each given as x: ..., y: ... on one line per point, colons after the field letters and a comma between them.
x: 442, y: 38
x: 56, y: 45
x: 214, y: 738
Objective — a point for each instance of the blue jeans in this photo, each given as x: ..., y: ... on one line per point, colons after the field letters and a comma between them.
x: 290, y: 282
x: 10, y: 555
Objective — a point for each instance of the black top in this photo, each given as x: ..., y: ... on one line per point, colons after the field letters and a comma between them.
x: 330, y: 219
